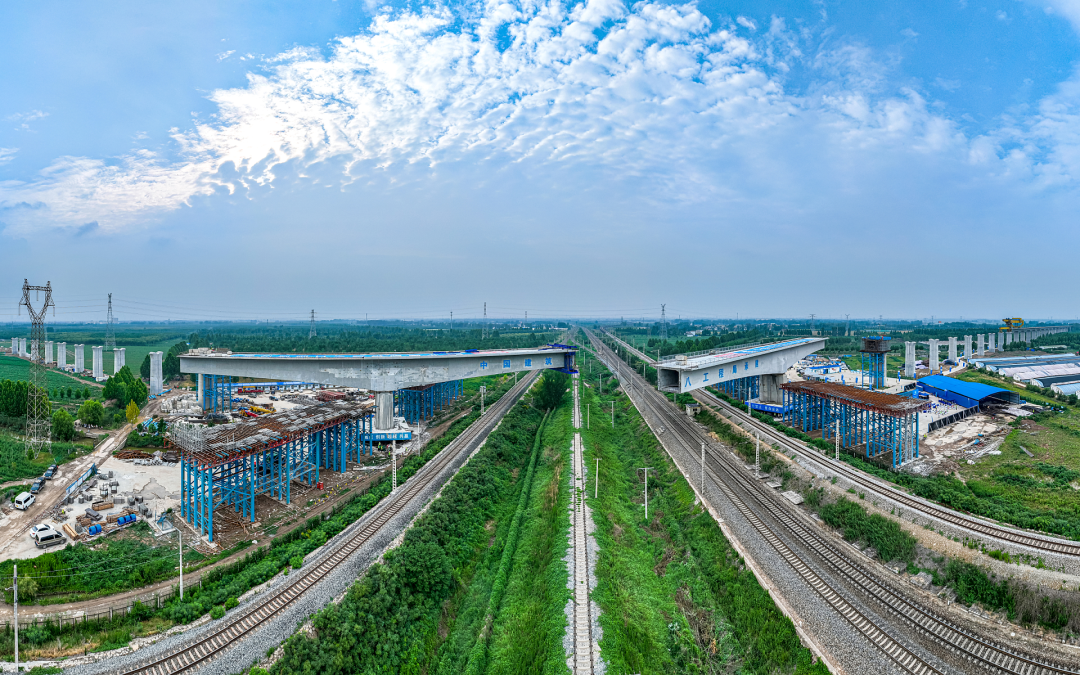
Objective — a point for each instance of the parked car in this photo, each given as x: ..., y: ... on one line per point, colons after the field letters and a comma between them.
x: 36, y: 487
x: 52, y: 469
x: 53, y: 538
x: 24, y: 500
x: 49, y: 473
x: 38, y: 531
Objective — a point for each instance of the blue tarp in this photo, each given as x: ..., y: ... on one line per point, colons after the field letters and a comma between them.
x: 967, y: 394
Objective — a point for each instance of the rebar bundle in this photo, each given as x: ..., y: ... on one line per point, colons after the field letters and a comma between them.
x: 38, y: 414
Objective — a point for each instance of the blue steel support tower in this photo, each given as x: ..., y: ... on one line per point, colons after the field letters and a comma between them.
x: 872, y: 361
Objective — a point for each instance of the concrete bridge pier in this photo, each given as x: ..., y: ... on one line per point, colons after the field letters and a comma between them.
x: 769, y: 389
x: 384, y: 410
x: 909, y: 359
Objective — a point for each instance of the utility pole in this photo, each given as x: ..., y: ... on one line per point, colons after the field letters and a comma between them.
x: 646, y: 470
x: 596, y: 493
x: 812, y: 323
x: 757, y: 453
x: 311, y: 331
x: 15, y: 599
x: 38, y: 420
x: 837, y: 425
x: 483, y: 390
x: 393, y: 450
x: 702, y: 483
x: 588, y: 416
x: 847, y: 326
x: 110, y: 333
x: 613, y: 414
x: 180, y: 536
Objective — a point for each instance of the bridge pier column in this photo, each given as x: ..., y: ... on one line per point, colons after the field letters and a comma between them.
x: 769, y: 389
x: 384, y: 410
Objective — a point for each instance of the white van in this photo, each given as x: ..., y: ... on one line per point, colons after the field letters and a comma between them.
x: 24, y: 500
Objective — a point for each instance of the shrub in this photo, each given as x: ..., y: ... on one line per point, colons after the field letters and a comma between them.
x: 296, y: 561
x: 217, y: 612
x: 231, y: 602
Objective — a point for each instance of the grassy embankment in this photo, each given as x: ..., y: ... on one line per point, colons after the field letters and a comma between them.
x: 423, y: 607
x: 674, y: 595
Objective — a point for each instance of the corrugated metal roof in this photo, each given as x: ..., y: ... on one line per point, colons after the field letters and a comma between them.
x: 1073, y: 388
x: 1056, y: 379
x: 974, y: 390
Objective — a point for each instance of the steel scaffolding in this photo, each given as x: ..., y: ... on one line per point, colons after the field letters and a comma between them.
x: 217, y: 394
x: 422, y: 403
x: 230, y: 465
x: 879, y: 423
x: 744, y: 388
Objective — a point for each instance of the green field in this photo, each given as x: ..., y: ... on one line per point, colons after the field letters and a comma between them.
x: 13, y: 368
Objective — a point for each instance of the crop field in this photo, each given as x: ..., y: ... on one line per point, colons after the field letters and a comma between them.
x: 13, y: 368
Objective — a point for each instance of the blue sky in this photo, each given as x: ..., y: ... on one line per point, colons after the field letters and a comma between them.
x: 759, y: 158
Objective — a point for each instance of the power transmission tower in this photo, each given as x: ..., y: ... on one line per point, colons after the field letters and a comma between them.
x: 663, y: 322
x: 812, y: 323
x: 483, y: 334
x: 311, y: 331
x: 847, y: 327
x: 110, y: 333
x: 38, y: 424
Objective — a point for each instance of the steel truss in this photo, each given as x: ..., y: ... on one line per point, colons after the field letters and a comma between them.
x: 208, y: 483
x: 422, y: 403
x: 744, y: 388
x: 877, y: 431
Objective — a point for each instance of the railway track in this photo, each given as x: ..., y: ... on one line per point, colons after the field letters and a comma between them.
x: 883, y: 489
x: 753, y: 501
x: 583, y: 638
x: 243, y: 624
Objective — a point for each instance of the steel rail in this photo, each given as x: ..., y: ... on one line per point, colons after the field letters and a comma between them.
x: 883, y: 489
x: 243, y: 624
x: 987, y: 654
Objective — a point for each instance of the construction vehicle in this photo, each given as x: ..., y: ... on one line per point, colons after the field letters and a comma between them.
x: 1013, y: 323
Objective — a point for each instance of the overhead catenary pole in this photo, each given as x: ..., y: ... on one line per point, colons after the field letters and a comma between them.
x: 596, y: 493
x: 393, y: 451
x: 15, y: 604
x: 646, y: 470
x: 613, y: 414
x: 701, y: 484
x: 837, y: 426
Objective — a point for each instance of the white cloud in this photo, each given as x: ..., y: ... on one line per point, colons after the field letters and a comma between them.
x: 746, y: 22
x: 224, y: 55
x: 7, y: 154
x: 652, y: 96
x: 24, y: 119
x: 1001, y: 15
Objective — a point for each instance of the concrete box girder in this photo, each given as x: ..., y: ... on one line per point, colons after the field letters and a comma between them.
x: 378, y: 372
x: 704, y: 371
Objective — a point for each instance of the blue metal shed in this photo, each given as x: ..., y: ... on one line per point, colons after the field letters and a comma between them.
x: 967, y: 394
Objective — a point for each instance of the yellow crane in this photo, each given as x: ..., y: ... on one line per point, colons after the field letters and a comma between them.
x: 1013, y: 323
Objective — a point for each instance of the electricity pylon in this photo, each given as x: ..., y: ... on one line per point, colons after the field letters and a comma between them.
x: 110, y: 332
x: 311, y: 332
x: 38, y: 419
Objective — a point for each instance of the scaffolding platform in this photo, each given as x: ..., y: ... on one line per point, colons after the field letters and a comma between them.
x: 878, y: 422
x: 231, y: 464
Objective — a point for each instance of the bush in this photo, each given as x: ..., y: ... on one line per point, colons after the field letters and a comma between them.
x: 217, y: 612
x: 886, y: 536
x: 63, y: 426
x: 92, y: 413
x: 296, y: 561
x: 231, y: 602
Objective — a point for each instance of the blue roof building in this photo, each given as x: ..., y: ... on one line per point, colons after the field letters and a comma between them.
x: 967, y: 394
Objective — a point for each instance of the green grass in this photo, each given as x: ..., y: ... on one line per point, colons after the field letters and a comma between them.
x: 13, y: 368
x: 17, y: 466
x: 675, y: 596
x: 527, y: 634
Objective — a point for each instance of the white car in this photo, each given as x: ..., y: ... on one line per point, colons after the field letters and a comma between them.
x: 38, y: 531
